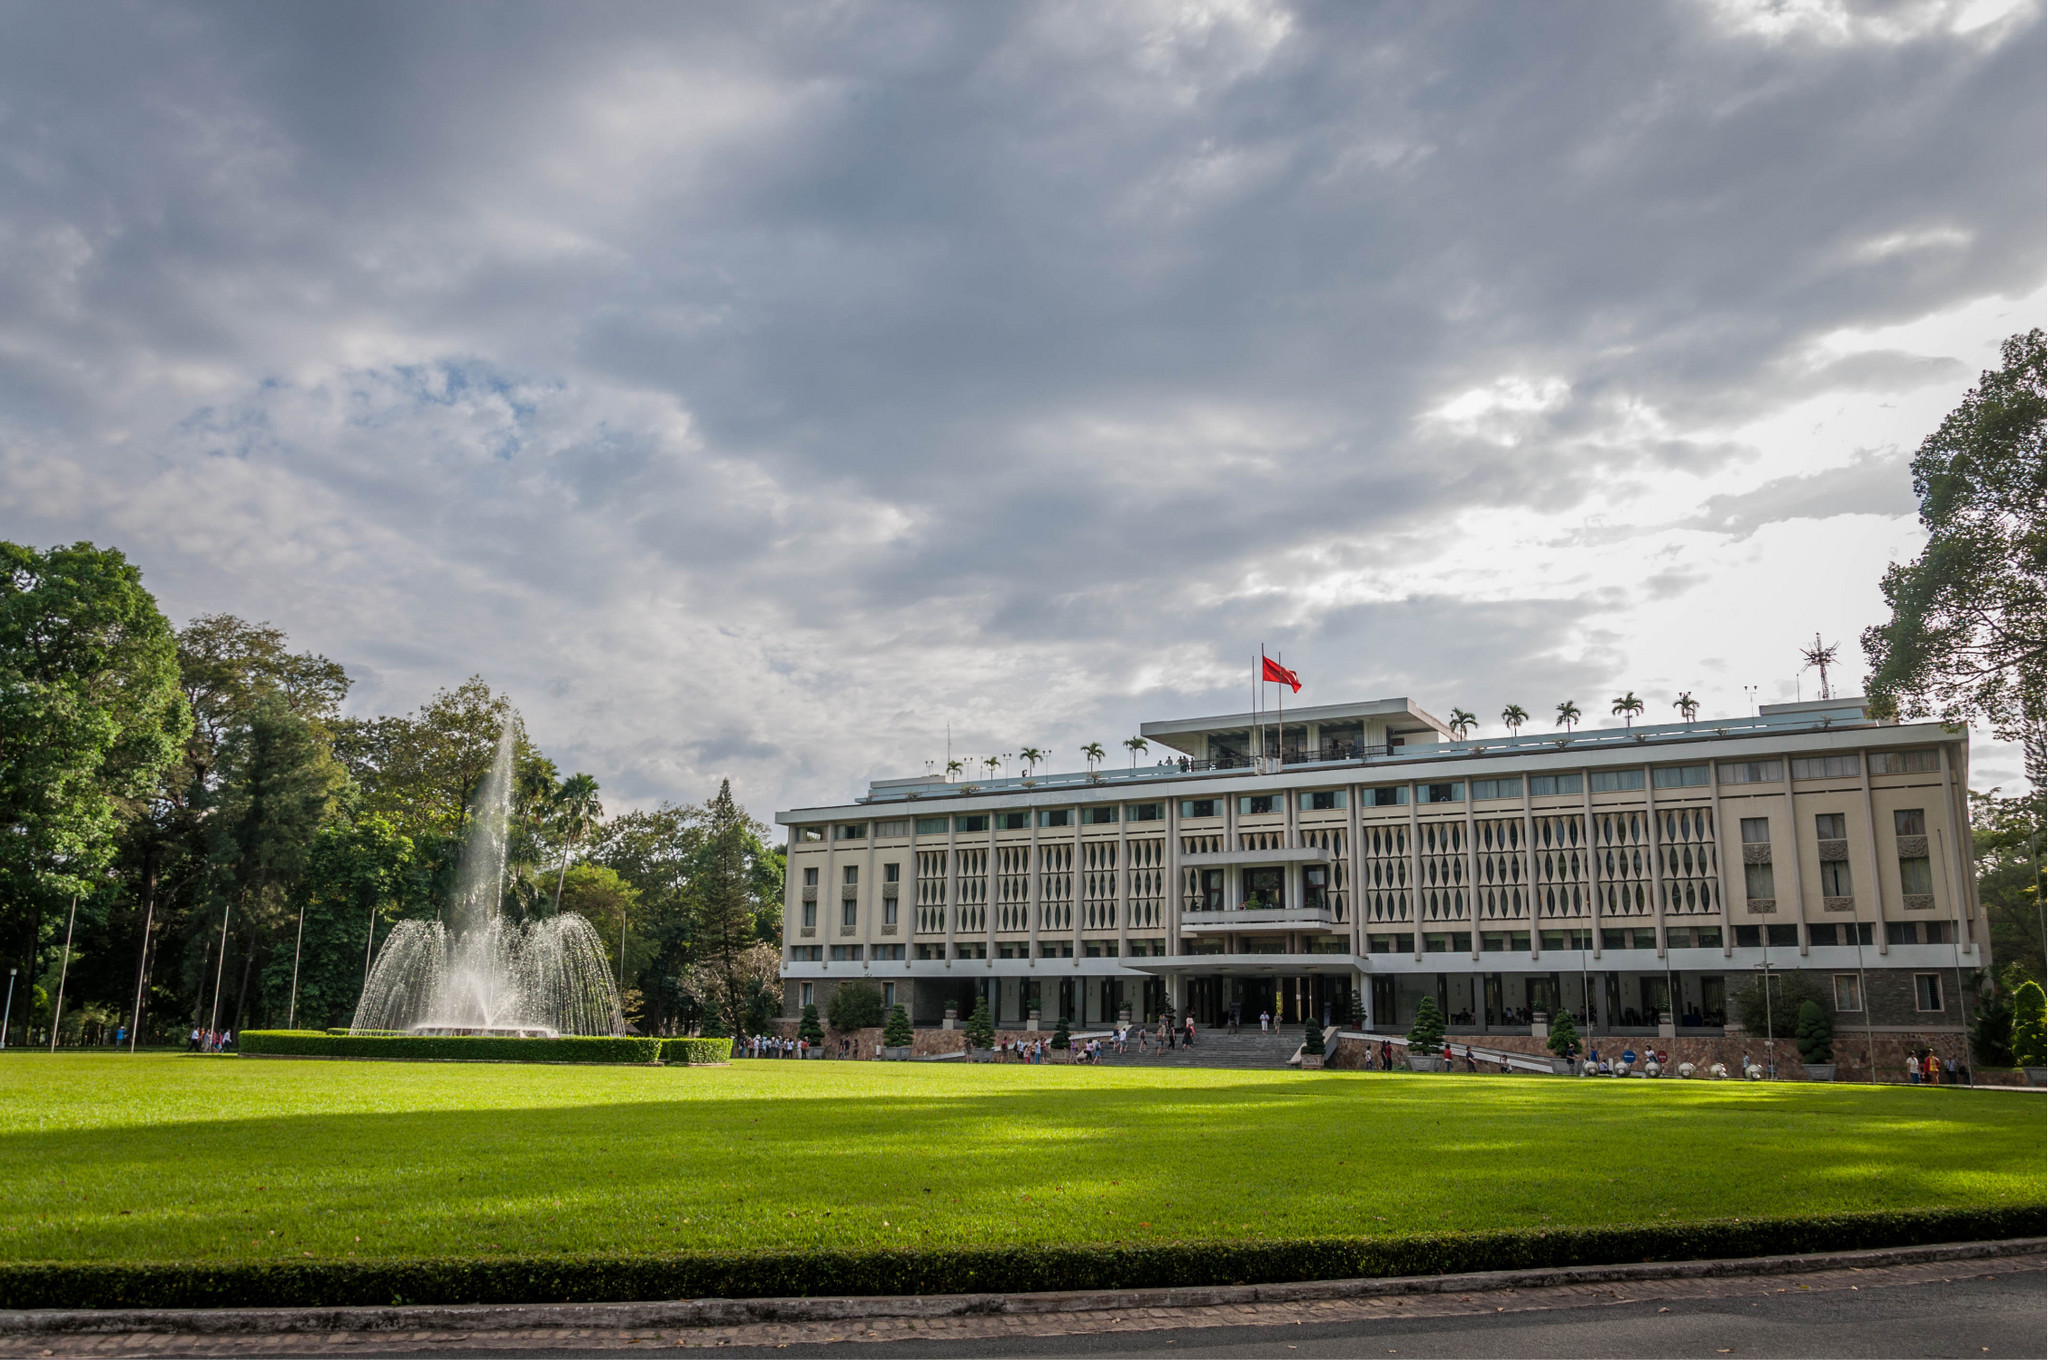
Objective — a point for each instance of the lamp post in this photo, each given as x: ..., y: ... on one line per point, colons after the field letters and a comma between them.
x: 63, y: 971
x: 8, y: 1016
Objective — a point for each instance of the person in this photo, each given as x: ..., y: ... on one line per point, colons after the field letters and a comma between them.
x: 1912, y: 1069
x: 1386, y: 1055
x: 1190, y: 1038
x: 1265, y: 1022
x: 1606, y: 1069
x: 1470, y: 1065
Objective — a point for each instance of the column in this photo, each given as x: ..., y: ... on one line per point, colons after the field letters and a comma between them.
x: 1798, y: 881
x: 1529, y: 876
x: 952, y: 888
x: 1721, y: 857
x: 1471, y: 872
x: 1871, y: 869
x: 1656, y: 865
x: 1414, y: 874
x: 1592, y: 865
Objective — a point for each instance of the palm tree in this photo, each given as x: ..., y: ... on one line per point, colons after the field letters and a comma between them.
x: 994, y: 763
x: 1513, y: 716
x: 1135, y: 745
x: 1627, y: 707
x: 576, y: 811
x: 1093, y: 752
x: 1030, y: 755
x: 1462, y: 723
x: 1568, y: 715
x: 1687, y: 706
x: 953, y: 767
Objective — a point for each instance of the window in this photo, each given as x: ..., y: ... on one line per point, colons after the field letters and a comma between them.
x: 846, y: 953
x: 1056, y: 817
x: 1254, y: 804
x: 1916, y: 876
x: 852, y: 872
x: 1567, y: 939
x: 1845, y: 933
x: 1393, y: 797
x: 1757, y: 883
x: 1013, y: 821
x: 810, y: 916
x: 1782, y: 937
x: 1100, y: 949
x: 1679, y: 777
x: 1322, y: 800
x: 1830, y: 826
x: 892, y: 873
x: 888, y: 990
x: 807, y: 994
x: 1327, y: 944
x: 1919, y: 932
x: 1628, y: 939
x: 1848, y: 992
x: 1390, y: 944
x: 1201, y: 946
x: 931, y: 826
x: 931, y: 952
x: 1447, y: 942
x: 1827, y: 767
x: 849, y: 911
x: 1264, y: 944
x: 1753, y: 772
x: 1492, y: 941
x: 850, y: 831
x: 1201, y: 807
x: 1145, y: 812
x: 1749, y: 937
x: 892, y: 828
x: 1012, y: 951
x: 1910, y: 822
x: 1905, y: 762
x: 1834, y: 878
x: 1315, y: 887
x: 1547, y: 785
x: 1616, y: 781
x: 807, y: 834
x: 1212, y: 889
x: 1703, y: 937
x: 1756, y: 831
x: 1439, y: 793
x: 1055, y: 949
x: 978, y: 950
x: 811, y: 877
x: 888, y: 953
x: 978, y: 822
x: 1099, y: 816
x: 1927, y: 991
x: 807, y: 953
x: 1262, y: 888
x: 1497, y: 788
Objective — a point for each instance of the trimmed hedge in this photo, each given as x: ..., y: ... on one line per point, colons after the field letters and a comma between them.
x: 570, y: 1048
x: 598, y: 1279
x: 696, y: 1052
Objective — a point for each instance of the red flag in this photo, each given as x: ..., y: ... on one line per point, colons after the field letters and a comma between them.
x: 1277, y: 673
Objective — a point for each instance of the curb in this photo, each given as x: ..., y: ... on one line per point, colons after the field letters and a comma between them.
x: 732, y: 1312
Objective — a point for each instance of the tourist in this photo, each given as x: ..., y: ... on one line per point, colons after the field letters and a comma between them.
x: 1265, y: 1022
x: 1471, y: 1066
x: 1912, y: 1069
x: 1188, y: 1040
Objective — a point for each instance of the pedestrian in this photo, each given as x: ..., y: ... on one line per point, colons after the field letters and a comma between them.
x: 1189, y: 1040
x: 1471, y: 1066
x: 1265, y: 1022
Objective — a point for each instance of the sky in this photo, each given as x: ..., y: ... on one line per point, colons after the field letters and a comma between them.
x: 780, y: 392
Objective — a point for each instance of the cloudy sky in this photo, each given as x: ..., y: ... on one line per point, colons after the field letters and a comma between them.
x: 760, y: 389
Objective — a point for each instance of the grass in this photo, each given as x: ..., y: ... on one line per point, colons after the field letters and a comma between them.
x: 170, y: 1158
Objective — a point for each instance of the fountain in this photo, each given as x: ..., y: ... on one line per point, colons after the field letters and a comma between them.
x: 480, y: 974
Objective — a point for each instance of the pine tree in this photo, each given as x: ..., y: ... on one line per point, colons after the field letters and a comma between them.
x: 897, y: 1033
x: 1426, y: 1036
x: 2029, y: 1037
x: 1312, y: 1040
x: 1564, y: 1036
x: 1815, y: 1034
x: 981, y: 1027
x: 1060, y: 1037
x: 808, y: 1029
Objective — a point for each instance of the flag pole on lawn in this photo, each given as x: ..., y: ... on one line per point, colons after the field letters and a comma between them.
x: 63, y: 971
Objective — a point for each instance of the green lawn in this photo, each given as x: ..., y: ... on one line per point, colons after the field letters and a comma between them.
x: 106, y: 1157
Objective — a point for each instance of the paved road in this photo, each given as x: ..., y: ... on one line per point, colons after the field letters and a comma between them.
x: 1973, y: 1309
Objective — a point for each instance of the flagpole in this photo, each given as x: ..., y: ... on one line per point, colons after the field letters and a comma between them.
x: 1280, y: 727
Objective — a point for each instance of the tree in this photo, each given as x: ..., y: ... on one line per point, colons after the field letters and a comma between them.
x: 1991, y: 1029
x: 1312, y: 1039
x: 1776, y: 1016
x: 1815, y: 1034
x: 1462, y: 722
x: 1628, y: 707
x: 725, y: 906
x: 993, y: 763
x: 808, y: 1029
x: 1092, y: 753
x: 1062, y: 1037
x: 1426, y: 1035
x: 576, y: 810
x: 360, y: 875
x: 1966, y: 635
x: 657, y: 851
x: 856, y: 1004
x: 1568, y: 715
x: 1031, y: 756
x: 1512, y: 717
x: 2009, y: 841
x: 953, y: 767
x: 1564, y: 1036
x: 897, y: 1033
x: 1137, y: 746
x: 1687, y: 706
x: 2029, y: 1037
x: 981, y: 1028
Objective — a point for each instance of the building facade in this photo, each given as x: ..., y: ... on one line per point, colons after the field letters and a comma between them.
x: 1360, y: 856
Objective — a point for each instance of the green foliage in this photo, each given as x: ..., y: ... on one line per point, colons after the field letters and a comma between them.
x: 1967, y: 630
x: 1564, y: 1035
x: 1312, y: 1039
x: 981, y: 1026
x: 1991, y: 1030
x: 884, y: 1270
x: 2029, y: 1034
x: 808, y: 1029
x: 855, y: 1004
x: 1062, y: 1037
x: 1789, y: 991
x: 1815, y: 1034
x: 422, y: 1048
x: 898, y: 1033
x: 1426, y: 1035
x: 359, y: 875
x: 695, y: 1052
x: 2009, y: 841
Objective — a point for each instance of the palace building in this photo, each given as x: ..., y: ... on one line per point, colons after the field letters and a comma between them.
x: 1360, y: 855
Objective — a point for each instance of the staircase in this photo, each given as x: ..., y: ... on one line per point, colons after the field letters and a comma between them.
x: 1219, y: 1048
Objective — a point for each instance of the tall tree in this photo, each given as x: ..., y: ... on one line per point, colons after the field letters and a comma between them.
x: 657, y: 851
x: 361, y: 876
x: 2010, y: 879
x: 576, y: 809
x: 1967, y: 633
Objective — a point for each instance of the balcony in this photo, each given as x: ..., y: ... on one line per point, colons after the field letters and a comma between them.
x: 1299, y: 854
x: 1261, y: 918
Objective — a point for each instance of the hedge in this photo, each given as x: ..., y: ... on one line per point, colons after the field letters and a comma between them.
x: 696, y: 1052
x: 598, y: 1279
x: 569, y: 1048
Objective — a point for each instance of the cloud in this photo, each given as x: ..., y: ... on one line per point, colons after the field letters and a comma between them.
x: 1874, y: 484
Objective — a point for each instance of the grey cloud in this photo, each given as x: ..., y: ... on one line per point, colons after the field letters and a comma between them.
x: 1874, y: 484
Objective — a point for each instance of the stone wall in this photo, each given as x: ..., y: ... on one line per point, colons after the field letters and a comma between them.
x: 924, y: 1042
x: 1851, y: 1051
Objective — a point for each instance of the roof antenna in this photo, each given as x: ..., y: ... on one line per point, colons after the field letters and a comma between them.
x: 1819, y: 658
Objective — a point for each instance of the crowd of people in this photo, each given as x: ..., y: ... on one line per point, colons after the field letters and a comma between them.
x: 210, y: 1041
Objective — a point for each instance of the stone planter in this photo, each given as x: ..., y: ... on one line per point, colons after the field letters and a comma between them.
x: 952, y: 1018
x: 2037, y: 1076
x: 1031, y: 1020
x: 896, y: 1054
x: 981, y: 1055
x: 1562, y: 1067
x: 1311, y: 1062
x: 1424, y: 1062
x: 1820, y: 1071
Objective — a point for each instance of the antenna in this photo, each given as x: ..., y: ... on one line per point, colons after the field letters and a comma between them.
x: 1750, y: 692
x: 1819, y: 657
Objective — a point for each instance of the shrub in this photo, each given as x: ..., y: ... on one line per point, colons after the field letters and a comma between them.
x: 1312, y: 1040
x: 897, y: 1033
x: 1564, y: 1036
x: 855, y: 1005
x: 1789, y: 991
x: 1060, y: 1036
x: 808, y: 1029
x: 1815, y: 1035
x: 1991, y: 1030
x: 1427, y: 1034
x: 2029, y: 1041
x: 981, y: 1026
x: 695, y: 1052
x: 570, y: 1048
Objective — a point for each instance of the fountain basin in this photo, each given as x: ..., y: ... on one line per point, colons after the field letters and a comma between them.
x: 485, y: 1032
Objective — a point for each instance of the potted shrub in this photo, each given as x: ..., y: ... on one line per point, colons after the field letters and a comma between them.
x: 811, y: 1032
x: 2030, y: 1032
x: 1563, y: 1040
x: 1061, y: 1039
x: 981, y: 1033
x: 1426, y: 1038
x: 1312, y: 1048
x: 952, y: 1015
x: 1032, y: 1017
x: 898, y: 1039
x: 1816, y: 1039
